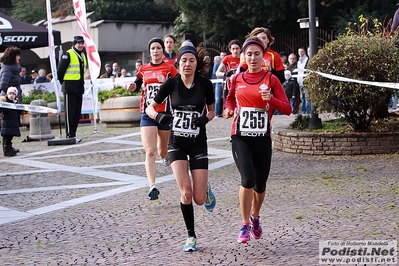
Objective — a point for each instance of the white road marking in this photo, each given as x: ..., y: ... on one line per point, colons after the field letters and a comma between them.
x: 125, y: 181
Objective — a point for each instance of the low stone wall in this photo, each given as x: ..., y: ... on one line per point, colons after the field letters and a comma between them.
x: 313, y: 143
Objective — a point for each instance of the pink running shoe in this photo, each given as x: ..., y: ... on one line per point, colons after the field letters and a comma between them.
x: 256, y: 229
x: 244, y: 236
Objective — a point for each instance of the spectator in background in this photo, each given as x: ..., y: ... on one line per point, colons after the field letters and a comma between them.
x: 49, y: 76
x: 291, y: 88
x: 218, y: 87
x: 208, y: 67
x: 393, y: 104
x: 41, y: 78
x: 10, y: 75
x: 25, y: 79
x: 10, y: 122
x: 395, y: 22
x: 10, y: 69
x: 33, y: 75
x: 138, y: 64
x: 216, y: 63
x: 292, y: 66
x: 301, y: 69
x: 116, y: 71
x: 222, y: 55
x: 292, y: 62
x: 124, y: 73
x: 108, y: 71
x: 284, y: 58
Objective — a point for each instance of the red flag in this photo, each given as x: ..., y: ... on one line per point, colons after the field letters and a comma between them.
x: 94, y: 60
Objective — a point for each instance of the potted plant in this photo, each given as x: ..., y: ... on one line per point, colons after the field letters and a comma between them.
x: 119, y: 107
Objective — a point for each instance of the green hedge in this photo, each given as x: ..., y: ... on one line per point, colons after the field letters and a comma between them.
x: 115, y: 93
x: 368, y: 54
x: 39, y: 94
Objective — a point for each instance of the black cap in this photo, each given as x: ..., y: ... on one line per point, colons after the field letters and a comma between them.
x: 158, y: 40
x: 77, y: 39
x: 33, y: 71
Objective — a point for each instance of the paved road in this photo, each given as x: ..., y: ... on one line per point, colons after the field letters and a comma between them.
x: 87, y: 204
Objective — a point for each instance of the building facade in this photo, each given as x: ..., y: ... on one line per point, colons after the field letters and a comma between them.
x: 117, y: 41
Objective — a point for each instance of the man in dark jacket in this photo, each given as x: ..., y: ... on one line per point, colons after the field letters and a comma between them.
x: 291, y: 88
x: 25, y: 79
x: 71, y: 73
x: 41, y: 78
x: 108, y: 71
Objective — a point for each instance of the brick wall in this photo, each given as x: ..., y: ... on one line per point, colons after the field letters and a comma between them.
x: 312, y: 143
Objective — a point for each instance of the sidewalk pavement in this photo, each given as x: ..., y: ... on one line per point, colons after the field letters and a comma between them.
x: 87, y: 204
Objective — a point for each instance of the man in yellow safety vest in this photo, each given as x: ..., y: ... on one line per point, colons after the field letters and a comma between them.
x: 71, y: 73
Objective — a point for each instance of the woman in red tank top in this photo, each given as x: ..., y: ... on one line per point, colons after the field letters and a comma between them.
x: 154, y: 135
x: 253, y: 96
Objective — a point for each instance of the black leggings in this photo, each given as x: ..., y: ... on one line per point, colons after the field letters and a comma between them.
x: 252, y: 156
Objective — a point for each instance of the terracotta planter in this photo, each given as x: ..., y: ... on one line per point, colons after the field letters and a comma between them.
x: 121, y: 112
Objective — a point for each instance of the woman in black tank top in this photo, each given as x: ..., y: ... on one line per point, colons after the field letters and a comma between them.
x: 192, y: 99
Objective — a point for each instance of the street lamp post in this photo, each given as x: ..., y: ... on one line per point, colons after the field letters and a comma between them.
x: 314, y: 121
